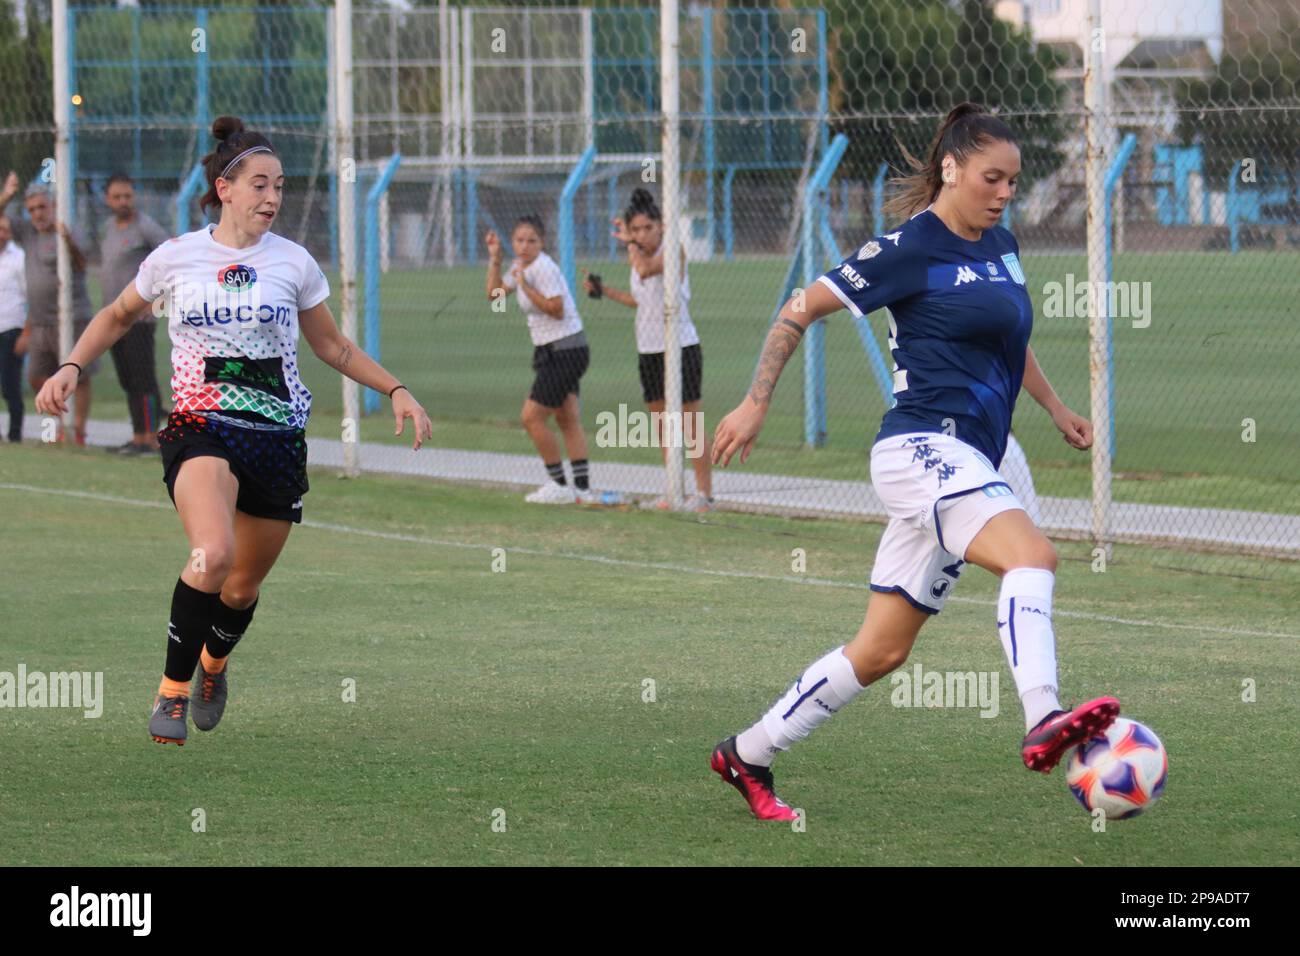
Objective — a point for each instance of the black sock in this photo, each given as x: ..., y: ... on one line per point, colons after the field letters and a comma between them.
x: 188, y: 628
x: 228, y: 626
x: 580, y: 473
x: 556, y: 471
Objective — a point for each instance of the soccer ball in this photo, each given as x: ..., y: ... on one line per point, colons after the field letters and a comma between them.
x: 1123, y: 772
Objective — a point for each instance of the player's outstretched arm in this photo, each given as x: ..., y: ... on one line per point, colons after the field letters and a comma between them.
x: 338, y: 351
x: 1075, y: 429
x: 109, y: 324
x: 737, y: 431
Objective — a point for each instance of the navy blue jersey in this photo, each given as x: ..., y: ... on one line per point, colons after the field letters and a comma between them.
x: 959, y: 324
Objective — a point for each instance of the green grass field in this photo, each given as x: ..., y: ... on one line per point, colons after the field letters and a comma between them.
x: 1224, y: 331
x: 523, y: 691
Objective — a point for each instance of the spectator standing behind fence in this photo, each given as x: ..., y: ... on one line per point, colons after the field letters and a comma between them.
x: 560, y: 357
x: 13, y: 316
x: 641, y: 231
x: 128, y: 238
x: 38, y: 239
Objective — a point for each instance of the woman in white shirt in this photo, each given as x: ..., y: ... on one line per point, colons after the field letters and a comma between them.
x: 642, y: 230
x: 234, y: 452
x: 560, y: 357
x: 13, y: 315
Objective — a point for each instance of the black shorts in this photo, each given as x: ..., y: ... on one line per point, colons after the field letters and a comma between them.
x: 269, y: 461
x: 558, y: 373
x: 652, y: 375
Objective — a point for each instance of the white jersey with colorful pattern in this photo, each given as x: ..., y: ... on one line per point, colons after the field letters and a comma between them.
x: 233, y: 320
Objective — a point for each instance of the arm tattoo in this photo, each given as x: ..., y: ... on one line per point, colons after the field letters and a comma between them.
x: 345, y: 356
x: 798, y: 329
x: 780, y: 345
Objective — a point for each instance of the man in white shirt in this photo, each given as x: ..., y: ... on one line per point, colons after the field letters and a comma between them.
x: 13, y: 315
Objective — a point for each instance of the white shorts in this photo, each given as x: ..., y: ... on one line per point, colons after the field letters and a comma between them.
x: 939, y: 492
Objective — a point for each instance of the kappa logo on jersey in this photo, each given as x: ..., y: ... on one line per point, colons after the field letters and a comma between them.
x: 236, y: 278
x: 869, y: 251
x: 893, y: 237
x: 1013, y: 266
x: 966, y: 274
x: 851, y: 274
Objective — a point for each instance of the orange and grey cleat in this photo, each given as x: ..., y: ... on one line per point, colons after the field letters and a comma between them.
x: 754, y: 783
x: 209, y: 695
x: 1053, y: 736
x: 167, y: 722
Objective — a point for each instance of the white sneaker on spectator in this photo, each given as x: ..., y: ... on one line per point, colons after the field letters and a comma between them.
x: 551, y: 493
x: 584, y: 496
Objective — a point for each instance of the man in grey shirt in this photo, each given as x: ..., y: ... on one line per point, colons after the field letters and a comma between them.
x: 128, y: 238
x: 39, y: 238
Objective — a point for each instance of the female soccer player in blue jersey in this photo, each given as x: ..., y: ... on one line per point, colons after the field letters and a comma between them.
x: 959, y: 325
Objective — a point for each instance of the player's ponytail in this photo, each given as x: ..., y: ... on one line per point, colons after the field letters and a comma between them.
x: 967, y: 128
x: 233, y: 143
x: 642, y: 204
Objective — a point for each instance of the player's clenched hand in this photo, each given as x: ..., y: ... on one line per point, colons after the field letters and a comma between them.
x: 52, y: 398
x: 405, y: 406
x: 493, y: 243
x: 736, y: 432
x: 1076, y: 429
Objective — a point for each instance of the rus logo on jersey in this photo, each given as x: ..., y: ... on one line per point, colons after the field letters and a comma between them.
x: 851, y: 274
x: 237, y: 277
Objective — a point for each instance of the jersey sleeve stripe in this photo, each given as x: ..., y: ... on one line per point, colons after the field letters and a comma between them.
x: 839, y: 294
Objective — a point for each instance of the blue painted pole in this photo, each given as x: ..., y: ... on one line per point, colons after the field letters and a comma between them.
x: 612, y: 248
x: 1114, y: 174
x: 568, y: 258
x: 189, y: 189
x: 814, y: 378
x: 823, y: 81
x: 877, y: 361
x: 471, y: 216
x: 878, y: 197
x: 371, y: 254
x: 710, y: 149
x: 1234, y: 240
x: 728, y: 226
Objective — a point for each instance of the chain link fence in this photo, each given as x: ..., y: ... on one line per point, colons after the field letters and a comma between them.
x: 471, y: 116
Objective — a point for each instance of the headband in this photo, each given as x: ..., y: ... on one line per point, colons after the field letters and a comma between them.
x: 252, y: 149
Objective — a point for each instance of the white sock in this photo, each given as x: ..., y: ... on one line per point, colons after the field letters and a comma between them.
x: 827, y: 685
x: 1025, y: 627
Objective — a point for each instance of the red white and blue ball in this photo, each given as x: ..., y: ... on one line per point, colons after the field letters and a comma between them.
x: 1122, y: 773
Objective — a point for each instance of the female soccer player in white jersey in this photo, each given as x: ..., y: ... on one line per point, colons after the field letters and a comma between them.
x: 560, y: 357
x: 641, y: 230
x: 960, y: 319
x: 234, y: 448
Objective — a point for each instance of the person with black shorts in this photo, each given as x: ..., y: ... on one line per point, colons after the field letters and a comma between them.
x: 234, y: 449
x: 560, y: 357
x: 641, y: 230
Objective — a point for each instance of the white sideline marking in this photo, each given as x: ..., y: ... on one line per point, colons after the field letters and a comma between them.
x: 651, y: 565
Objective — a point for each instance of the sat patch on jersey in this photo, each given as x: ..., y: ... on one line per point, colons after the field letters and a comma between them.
x: 1013, y: 266
x: 870, y: 250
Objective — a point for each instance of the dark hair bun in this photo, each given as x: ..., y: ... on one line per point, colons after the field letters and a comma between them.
x: 642, y: 201
x: 227, y: 126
